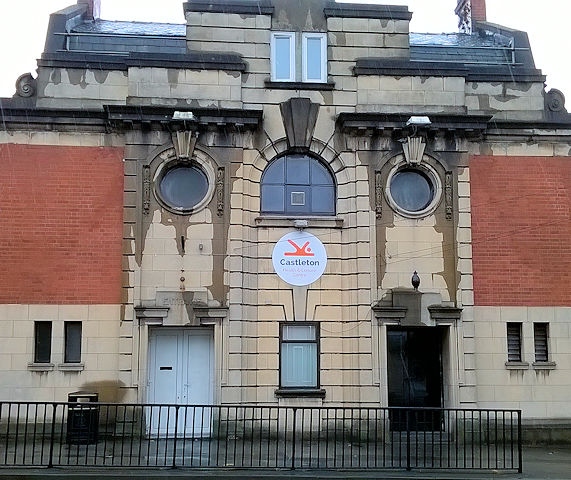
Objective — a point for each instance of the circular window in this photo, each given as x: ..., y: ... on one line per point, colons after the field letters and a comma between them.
x: 413, y: 191
x: 182, y: 187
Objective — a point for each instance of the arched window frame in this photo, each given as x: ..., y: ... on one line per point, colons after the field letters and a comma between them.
x: 295, y: 192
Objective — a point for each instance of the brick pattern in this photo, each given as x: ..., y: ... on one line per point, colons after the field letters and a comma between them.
x: 521, y: 230
x: 479, y: 10
x: 62, y: 217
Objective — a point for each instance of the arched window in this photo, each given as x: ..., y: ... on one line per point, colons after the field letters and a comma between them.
x: 298, y: 184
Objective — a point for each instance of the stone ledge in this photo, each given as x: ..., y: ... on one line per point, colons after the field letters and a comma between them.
x: 517, y: 365
x: 300, y: 392
x: 299, y: 85
x: 544, y: 365
x: 289, y: 221
x: 40, y: 367
x: 71, y: 367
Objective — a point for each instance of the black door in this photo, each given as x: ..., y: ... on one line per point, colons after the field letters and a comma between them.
x: 415, y: 377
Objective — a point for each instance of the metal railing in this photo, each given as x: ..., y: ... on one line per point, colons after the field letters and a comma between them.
x: 243, y: 436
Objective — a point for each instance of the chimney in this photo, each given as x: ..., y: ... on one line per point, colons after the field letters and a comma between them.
x: 469, y: 11
x: 479, y: 10
x: 93, y: 8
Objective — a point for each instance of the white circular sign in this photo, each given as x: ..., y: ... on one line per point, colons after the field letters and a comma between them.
x: 299, y: 258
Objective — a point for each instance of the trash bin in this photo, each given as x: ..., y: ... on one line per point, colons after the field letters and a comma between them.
x: 82, y: 418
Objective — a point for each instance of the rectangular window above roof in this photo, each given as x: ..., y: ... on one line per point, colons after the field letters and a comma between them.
x: 282, y: 52
x: 314, y: 57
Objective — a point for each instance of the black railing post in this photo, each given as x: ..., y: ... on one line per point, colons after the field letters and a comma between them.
x: 519, y: 443
x: 175, y: 436
x: 408, y: 468
x: 52, y: 435
x: 293, y: 438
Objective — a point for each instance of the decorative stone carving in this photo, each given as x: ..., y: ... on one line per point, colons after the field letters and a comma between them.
x: 413, y: 149
x: 184, y: 142
x: 555, y: 101
x: 220, y: 191
x: 299, y: 116
x: 26, y: 85
x: 378, y: 195
x: 448, y: 195
x: 146, y: 189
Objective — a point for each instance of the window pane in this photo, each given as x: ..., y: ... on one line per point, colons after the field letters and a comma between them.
x: 313, y: 58
x: 273, y: 199
x: 42, y: 342
x: 295, y: 192
x: 299, y: 365
x: 298, y: 332
x: 282, y: 57
x: 320, y: 175
x: 323, y: 200
x: 72, y: 342
x: 183, y: 187
x: 275, y: 172
x: 298, y: 169
x: 412, y: 190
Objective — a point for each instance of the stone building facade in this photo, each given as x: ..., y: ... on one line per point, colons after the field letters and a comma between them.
x: 170, y: 190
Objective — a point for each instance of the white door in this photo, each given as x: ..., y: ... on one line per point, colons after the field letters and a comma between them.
x: 181, y: 372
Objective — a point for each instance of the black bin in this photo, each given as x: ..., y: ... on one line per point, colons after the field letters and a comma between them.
x: 82, y: 418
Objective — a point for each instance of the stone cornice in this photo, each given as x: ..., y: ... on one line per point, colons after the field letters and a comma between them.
x: 23, y: 114
x: 396, y: 122
x: 241, y: 7
x: 352, y: 10
x: 101, y: 61
x: 471, y: 72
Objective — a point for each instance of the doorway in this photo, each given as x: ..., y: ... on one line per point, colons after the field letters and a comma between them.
x: 414, y: 368
x: 181, y: 372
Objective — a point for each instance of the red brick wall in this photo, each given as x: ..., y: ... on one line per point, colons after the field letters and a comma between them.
x: 479, y: 10
x: 521, y: 230
x: 61, y: 217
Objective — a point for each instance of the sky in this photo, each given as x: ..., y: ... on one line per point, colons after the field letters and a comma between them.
x: 23, y: 30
